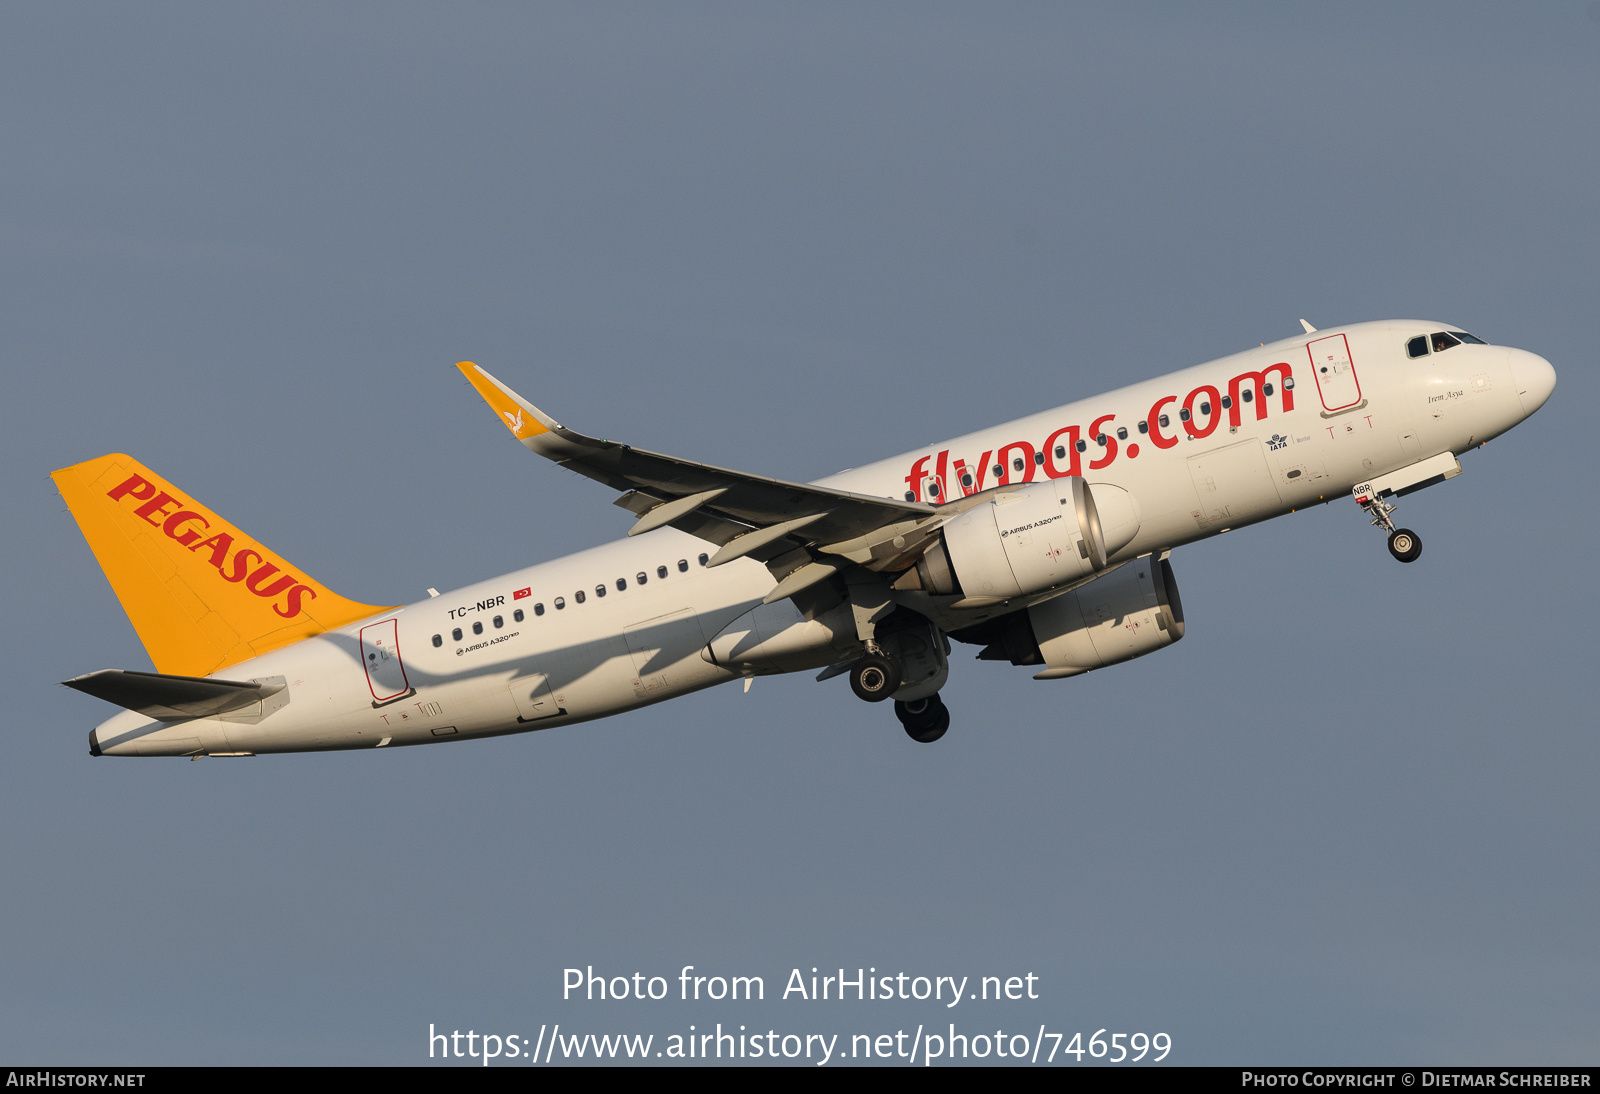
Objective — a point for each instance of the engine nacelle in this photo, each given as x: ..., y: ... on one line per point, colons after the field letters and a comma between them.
x: 1031, y: 539
x: 1132, y: 611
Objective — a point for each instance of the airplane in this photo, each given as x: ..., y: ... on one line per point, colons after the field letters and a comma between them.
x: 1045, y: 541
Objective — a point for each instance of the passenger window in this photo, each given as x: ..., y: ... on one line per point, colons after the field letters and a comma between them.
x: 538, y: 609
x: 683, y: 565
x: 999, y: 470
x: 1144, y: 427
x: 1038, y: 459
x: 1016, y: 464
x: 911, y: 496
x: 578, y: 597
x: 1442, y: 341
x: 1288, y: 385
x: 1418, y: 346
x: 517, y: 616
x: 622, y: 583
x: 1122, y: 432
x: 1165, y: 421
x: 933, y: 492
x: 455, y: 635
x: 438, y: 640
x: 1082, y: 446
x: 1471, y: 340
x: 703, y: 559
x: 499, y: 621
x: 661, y: 571
x: 1061, y: 451
x: 561, y: 602
x: 1205, y: 408
x: 1247, y: 395
x: 1266, y: 389
x: 1227, y: 403
x: 1100, y: 439
x: 599, y: 590
x: 966, y: 478
x: 1183, y: 415
x: 477, y: 628
x: 641, y: 577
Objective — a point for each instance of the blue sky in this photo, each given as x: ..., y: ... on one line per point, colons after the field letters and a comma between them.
x: 1348, y: 820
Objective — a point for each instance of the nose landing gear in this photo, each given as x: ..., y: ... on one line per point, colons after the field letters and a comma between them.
x: 1404, y: 544
x: 925, y: 720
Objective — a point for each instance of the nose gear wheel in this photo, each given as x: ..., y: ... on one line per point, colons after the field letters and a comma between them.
x: 1405, y: 545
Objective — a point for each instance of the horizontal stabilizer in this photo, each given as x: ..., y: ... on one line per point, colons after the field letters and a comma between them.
x: 171, y: 697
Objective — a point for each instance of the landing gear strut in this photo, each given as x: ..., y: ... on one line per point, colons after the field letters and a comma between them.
x: 925, y: 719
x: 1404, y: 544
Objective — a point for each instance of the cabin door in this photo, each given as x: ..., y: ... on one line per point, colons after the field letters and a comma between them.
x: 1335, y: 372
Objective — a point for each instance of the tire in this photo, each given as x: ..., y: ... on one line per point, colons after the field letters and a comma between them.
x: 1405, y: 545
x: 914, y: 714
x: 874, y: 678
x: 925, y: 720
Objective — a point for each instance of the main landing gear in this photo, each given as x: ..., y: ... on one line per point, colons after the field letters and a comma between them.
x: 925, y: 719
x: 875, y: 677
x: 912, y: 658
x: 1404, y: 544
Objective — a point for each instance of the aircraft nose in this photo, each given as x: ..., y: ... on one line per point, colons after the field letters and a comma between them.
x: 1533, y: 377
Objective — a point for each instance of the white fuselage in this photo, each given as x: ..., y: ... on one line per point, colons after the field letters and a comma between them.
x: 404, y: 677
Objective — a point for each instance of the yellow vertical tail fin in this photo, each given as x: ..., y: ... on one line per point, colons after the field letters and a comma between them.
x: 201, y: 594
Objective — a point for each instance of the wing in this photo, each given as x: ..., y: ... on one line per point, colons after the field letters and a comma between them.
x: 803, y: 533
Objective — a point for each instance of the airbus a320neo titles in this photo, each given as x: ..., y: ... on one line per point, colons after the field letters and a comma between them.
x: 1044, y: 541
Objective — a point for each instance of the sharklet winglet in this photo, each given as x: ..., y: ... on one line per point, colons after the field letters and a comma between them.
x: 515, y: 413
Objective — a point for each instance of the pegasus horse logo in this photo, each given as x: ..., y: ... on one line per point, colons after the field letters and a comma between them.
x: 515, y: 420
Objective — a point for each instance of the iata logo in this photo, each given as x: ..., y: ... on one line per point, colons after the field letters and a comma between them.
x: 187, y: 527
x: 1276, y: 442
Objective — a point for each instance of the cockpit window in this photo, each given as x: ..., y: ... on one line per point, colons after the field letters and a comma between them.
x: 1418, y: 346
x: 1469, y: 339
x: 1443, y: 340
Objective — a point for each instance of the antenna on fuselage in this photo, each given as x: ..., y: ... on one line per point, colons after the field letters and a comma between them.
x: 1309, y: 328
